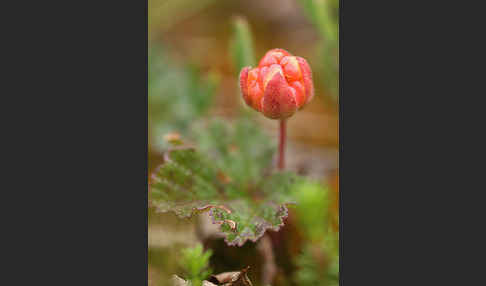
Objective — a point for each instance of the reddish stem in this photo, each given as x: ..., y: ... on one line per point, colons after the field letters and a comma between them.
x: 281, y: 145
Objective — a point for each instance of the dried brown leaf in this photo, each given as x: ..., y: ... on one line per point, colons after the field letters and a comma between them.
x: 234, y: 278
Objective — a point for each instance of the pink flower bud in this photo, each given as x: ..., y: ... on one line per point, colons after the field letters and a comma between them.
x: 280, y: 85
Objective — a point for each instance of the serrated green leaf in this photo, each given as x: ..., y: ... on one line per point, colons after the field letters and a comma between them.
x: 188, y: 183
x: 184, y: 184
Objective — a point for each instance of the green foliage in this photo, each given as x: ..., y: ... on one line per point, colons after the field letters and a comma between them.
x: 226, y: 176
x: 240, y: 149
x: 318, y: 264
x: 311, y: 271
x: 312, y: 209
x: 177, y: 95
x: 242, y: 44
x: 254, y: 215
x: 195, y: 263
x: 325, y: 16
x: 243, y: 55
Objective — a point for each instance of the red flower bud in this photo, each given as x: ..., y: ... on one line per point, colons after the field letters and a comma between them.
x: 280, y: 85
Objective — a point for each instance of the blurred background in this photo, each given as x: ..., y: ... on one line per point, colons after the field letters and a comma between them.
x: 196, y: 50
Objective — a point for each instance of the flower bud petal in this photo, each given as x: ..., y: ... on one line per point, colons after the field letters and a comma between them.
x: 263, y: 73
x: 256, y: 94
x: 299, y: 93
x: 278, y: 100
x: 274, y: 69
x: 307, y: 78
x: 253, y: 75
x: 244, y: 85
x: 291, y: 68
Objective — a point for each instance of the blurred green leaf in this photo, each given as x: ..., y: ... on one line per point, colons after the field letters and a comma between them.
x: 318, y: 264
x: 311, y: 270
x: 195, y: 263
x: 325, y: 16
x: 242, y: 44
x: 312, y: 210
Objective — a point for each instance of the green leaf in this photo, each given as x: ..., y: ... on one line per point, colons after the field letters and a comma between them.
x: 195, y: 263
x: 184, y: 184
x: 245, y: 203
x: 242, y: 44
x: 241, y: 149
x: 254, y: 216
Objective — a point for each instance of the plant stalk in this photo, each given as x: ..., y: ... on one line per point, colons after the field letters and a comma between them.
x: 281, y: 145
x: 269, y: 271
